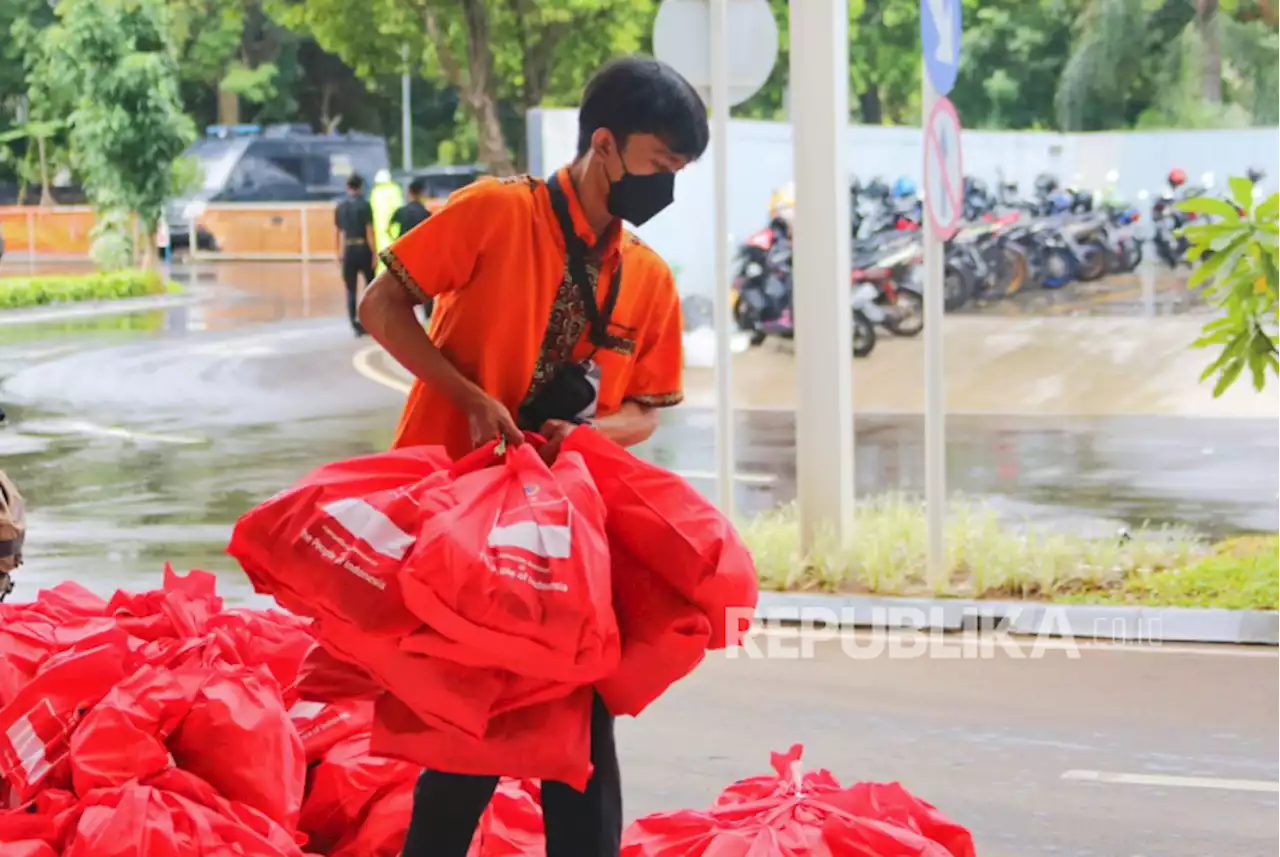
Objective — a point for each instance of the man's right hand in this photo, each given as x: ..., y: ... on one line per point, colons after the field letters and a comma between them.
x: 489, y: 419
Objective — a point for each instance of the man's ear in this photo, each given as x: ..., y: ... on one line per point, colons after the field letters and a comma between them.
x: 602, y: 142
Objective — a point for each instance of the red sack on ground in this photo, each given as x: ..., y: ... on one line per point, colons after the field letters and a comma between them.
x: 36, y: 726
x: 381, y: 833
x: 67, y: 600
x: 29, y: 848
x: 46, y: 819
x: 123, y: 737
x: 29, y: 639
x: 785, y: 815
x: 547, y: 741
x: 664, y: 637
x: 187, y: 785
x: 180, y: 608
x: 269, y: 638
x: 238, y: 736
x: 326, y: 678
x: 513, y: 571
x: 138, y: 820
x: 512, y: 824
x: 332, y: 545
x: 321, y: 725
x: 346, y: 782
x: 665, y: 523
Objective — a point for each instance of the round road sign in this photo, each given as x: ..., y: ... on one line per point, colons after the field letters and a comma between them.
x: 940, y: 41
x: 943, y: 170
x: 682, y: 39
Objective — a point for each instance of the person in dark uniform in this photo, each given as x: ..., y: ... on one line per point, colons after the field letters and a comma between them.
x: 354, y: 221
x: 412, y: 212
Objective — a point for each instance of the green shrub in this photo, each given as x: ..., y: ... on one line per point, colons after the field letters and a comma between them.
x: 63, y: 289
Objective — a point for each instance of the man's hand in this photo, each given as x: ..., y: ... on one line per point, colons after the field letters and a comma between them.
x: 489, y: 419
x: 555, y: 431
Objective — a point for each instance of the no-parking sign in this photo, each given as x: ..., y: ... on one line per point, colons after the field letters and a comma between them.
x: 943, y: 170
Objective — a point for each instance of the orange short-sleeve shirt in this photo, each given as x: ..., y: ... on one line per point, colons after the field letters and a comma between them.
x: 507, y: 315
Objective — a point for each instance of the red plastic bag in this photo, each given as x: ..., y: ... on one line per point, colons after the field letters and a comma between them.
x: 36, y: 726
x: 665, y: 523
x: 664, y: 637
x: 47, y: 819
x: 28, y: 640
x: 123, y: 737
x: 180, y: 608
x: 346, y: 782
x: 321, y: 725
x: 381, y: 832
x: 278, y: 641
x: 512, y: 571
x: 324, y: 677
x: 547, y: 741
x: 891, y: 802
x: 238, y: 736
x: 512, y: 824
x: 138, y: 820
x: 332, y: 545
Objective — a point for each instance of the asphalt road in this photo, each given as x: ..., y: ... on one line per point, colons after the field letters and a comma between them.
x: 989, y: 740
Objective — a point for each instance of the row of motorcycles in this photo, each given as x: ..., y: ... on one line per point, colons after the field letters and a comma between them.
x: 1007, y: 243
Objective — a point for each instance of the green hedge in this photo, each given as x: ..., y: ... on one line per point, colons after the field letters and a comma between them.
x: 70, y: 288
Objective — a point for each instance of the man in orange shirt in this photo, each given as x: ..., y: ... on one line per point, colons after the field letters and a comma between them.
x: 547, y: 315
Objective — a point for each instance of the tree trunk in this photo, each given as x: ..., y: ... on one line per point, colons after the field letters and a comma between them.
x: 475, y: 83
x: 46, y: 192
x: 1211, y: 43
x: 228, y: 108
x: 869, y: 106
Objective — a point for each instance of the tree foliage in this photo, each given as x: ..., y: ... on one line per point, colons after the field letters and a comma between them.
x: 1237, y: 264
x: 110, y: 65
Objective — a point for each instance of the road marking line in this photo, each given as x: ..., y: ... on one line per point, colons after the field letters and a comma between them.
x: 1173, y: 781
x: 125, y: 434
x: 953, y: 638
x: 363, y: 363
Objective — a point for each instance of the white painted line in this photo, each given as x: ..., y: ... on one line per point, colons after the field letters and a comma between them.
x: 1173, y: 782
x: 950, y: 639
x: 95, y: 430
x: 363, y: 363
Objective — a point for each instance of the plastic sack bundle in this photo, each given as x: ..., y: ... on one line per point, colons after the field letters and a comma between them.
x: 792, y: 814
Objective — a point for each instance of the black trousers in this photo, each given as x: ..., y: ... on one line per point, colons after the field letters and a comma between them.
x: 357, y: 259
x: 447, y: 807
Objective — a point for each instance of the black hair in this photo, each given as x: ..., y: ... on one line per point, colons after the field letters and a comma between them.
x: 642, y: 95
x: 417, y: 186
x: 355, y: 182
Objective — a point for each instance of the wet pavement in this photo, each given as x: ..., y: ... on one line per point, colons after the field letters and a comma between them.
x: 140, y: 438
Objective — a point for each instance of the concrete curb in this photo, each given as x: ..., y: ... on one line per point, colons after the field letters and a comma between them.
x: 93, y: 309
x: 1086, y: 621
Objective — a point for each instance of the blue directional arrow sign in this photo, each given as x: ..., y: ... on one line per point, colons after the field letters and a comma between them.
x: 940, y: 38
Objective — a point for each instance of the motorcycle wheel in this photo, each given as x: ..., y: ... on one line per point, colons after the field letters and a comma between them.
x: 906, y: 316
x: 1132, y: 255
x: 1092, y: 263
x: 1019, y: 269
x: 864, y: 335
x: 957, y: 287
x: 745, y: 318
x: 1057, y: 267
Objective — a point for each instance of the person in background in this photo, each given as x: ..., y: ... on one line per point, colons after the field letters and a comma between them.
x: 385, y: 198
x: 548, y: 315
x: 354, y: 221
x: 412, y: 212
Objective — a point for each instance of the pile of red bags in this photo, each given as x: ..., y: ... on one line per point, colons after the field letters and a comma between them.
x: 491, y: 597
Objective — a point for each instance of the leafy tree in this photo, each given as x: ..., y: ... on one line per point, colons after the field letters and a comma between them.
x: 1237, y: 258
x: 111, y: 64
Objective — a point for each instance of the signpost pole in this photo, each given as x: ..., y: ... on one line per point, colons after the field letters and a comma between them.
x: 935, y: 427
x: 723, y: 316
x: 940, y: 26
x: 824, y: 318
x: 406, y: 116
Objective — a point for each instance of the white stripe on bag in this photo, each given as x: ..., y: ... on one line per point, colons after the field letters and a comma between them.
x: 28, y: 745
x: 549, y: 541
x: 371, y: 526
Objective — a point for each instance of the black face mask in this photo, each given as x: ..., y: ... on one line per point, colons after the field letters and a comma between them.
x: 636, y: 199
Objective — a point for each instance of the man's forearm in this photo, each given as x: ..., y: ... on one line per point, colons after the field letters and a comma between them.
x: 387, y: 313
x: 368, y: 236
x: 631, y: 424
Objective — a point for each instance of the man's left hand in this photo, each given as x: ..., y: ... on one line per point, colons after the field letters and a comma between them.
x: 555, y: 431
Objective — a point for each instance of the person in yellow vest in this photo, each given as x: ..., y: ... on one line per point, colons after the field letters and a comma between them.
x: 385, y: 198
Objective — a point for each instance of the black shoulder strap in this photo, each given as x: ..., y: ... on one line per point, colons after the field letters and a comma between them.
x: 576, y: 249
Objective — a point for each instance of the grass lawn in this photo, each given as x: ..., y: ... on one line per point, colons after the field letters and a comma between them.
x: 55, y: 289
x: 987, y: 559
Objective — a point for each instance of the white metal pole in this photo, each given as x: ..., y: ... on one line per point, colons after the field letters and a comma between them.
x: 406, y: 119
x: 935, y: 427
x: 723, y: 321
x: 824, y: 351
x: 31, y: 241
